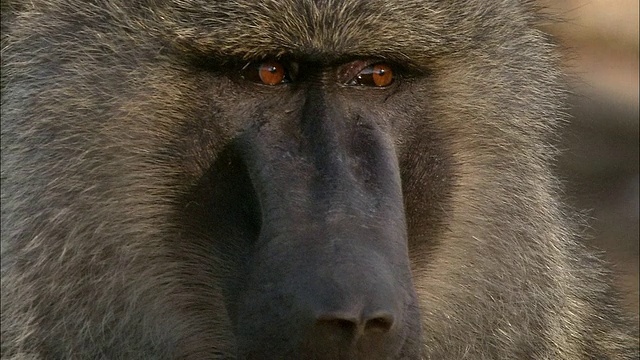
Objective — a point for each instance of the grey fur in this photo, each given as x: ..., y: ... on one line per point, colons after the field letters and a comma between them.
x: 104, y: 127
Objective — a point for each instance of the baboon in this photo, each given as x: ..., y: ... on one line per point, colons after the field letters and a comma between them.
x: 290, y: 179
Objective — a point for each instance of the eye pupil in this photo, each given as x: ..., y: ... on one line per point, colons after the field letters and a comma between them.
x: 382, y: 75
x: 271, y: 73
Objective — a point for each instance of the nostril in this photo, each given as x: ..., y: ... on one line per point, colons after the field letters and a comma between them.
x: 343, y: 325
x: 377, y: 323
x: 336, y: 329
x: 381, y: 323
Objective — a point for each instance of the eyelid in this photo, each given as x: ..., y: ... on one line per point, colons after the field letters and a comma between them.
x: 364, y: 73
x: 349, y: 71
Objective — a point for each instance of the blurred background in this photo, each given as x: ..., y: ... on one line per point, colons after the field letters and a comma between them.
x: 599, y: 39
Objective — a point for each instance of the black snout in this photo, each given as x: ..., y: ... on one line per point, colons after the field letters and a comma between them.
x: 329, y: 275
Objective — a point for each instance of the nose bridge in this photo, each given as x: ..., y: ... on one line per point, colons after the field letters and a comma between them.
x: 346, y: 272
x: 325, y: 134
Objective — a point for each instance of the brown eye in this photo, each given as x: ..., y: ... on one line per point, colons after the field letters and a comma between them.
x: 382, y: 75
x: 376, y: 75
x: 271, y: 73
x: 267, y: 72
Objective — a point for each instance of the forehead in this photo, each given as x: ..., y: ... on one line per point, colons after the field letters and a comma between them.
x: 322, y: 29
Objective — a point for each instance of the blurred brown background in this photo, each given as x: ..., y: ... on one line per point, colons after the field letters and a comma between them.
x: 600, y: 164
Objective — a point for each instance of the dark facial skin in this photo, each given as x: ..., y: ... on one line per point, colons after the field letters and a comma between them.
x: 325, y: 272
x: 331, y: 258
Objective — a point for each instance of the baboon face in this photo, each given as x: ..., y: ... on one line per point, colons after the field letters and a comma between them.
x: 271, y: 180
x: 308, y: 171
x: 311, y: 177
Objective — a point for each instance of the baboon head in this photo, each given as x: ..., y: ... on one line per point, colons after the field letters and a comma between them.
x: 282, y: 179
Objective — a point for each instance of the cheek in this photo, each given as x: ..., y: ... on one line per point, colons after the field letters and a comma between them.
x: 427, y: 161
x: 427, y: 171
